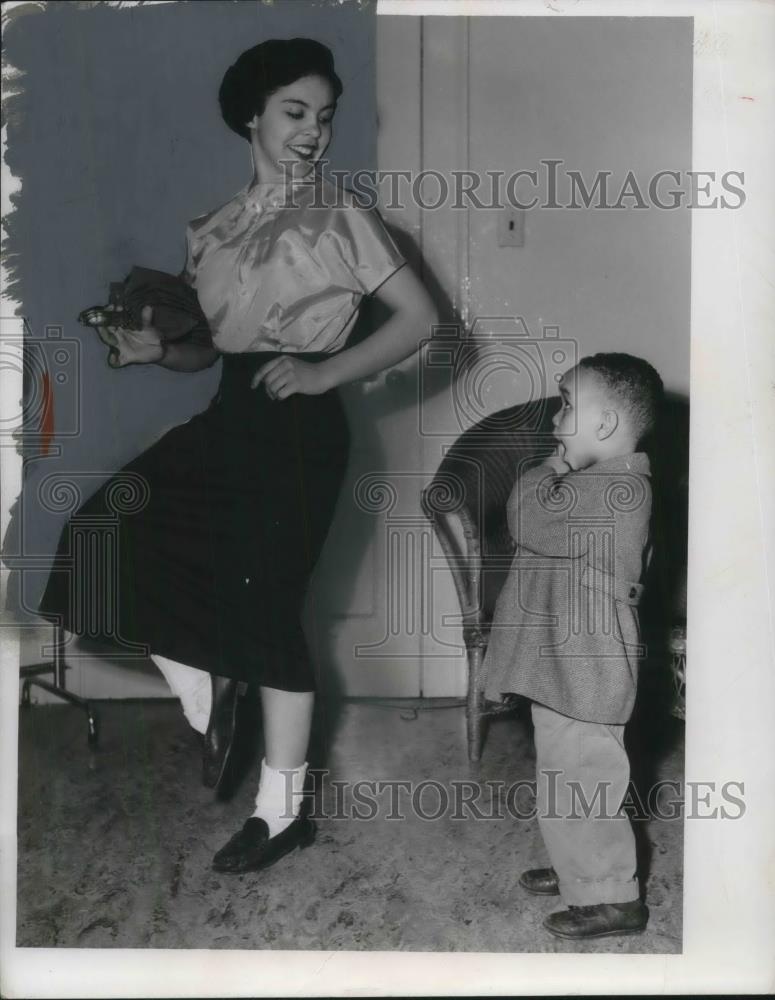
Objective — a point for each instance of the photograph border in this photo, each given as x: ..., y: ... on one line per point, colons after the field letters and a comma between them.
x: 729, y: 885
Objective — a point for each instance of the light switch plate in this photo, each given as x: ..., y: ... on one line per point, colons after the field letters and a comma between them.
x: 511, y: 227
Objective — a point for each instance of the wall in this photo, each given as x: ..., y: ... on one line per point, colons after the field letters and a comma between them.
x: 501, y: 94
x: 117, y: 138
x: 453, y: 93
x: 600, y: 94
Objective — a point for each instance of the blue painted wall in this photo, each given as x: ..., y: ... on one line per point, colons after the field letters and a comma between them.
x: 118, y: 140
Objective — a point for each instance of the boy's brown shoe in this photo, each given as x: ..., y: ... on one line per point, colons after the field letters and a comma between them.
x: 600, y: 920
x: 540, y: 881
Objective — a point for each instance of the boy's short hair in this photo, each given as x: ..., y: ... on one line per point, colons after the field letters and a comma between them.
x: 635, y: 385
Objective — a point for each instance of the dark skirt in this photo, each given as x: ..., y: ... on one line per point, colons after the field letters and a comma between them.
x: 213, y: 568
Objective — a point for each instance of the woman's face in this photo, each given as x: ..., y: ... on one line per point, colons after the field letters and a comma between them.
x: 295, y: 129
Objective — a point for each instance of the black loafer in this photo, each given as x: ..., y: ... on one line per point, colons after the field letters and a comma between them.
x: 219, y: 737
x: 599, y: 920
x: 253, y: 849
x: 540, y: 881
x: 244, y: 746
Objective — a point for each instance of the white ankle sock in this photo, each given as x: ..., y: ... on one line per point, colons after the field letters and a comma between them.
x: 279, y: 796
x: 192, y: 686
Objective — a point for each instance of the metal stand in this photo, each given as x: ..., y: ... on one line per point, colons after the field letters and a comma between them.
x: 58, y: 668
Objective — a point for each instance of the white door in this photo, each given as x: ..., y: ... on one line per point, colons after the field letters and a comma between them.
x: 381, y: 562
x: 489, y: 94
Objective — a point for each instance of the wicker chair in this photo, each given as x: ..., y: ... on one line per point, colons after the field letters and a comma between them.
x: 466, y: 503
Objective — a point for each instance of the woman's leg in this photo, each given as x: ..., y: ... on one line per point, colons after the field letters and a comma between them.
x: 192, y: 686
x: 287, y: 720
x: 277, y: 826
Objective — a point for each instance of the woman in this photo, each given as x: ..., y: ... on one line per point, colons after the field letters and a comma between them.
x: 213, y: 570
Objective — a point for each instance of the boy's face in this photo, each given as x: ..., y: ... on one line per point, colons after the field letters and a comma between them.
x: 579, y: 425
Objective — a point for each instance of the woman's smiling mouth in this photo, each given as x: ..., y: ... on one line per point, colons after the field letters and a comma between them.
x: 306, y: 152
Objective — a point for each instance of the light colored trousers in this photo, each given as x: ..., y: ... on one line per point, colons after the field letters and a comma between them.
x: 582, y: 774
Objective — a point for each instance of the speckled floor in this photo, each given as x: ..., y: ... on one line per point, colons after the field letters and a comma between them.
x: 115, y: 844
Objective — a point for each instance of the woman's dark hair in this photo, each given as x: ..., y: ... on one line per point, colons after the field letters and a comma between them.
x: 262, y: 70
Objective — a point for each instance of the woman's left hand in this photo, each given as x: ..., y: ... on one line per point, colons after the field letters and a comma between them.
x: 282, y: 377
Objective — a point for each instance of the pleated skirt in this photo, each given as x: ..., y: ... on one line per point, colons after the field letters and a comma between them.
x: 212, y: 563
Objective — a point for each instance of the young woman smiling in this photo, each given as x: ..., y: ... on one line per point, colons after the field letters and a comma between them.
x: 213, y: 571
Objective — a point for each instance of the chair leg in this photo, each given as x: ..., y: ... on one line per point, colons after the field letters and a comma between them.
x: 58, y: 668
x: 474, y: 713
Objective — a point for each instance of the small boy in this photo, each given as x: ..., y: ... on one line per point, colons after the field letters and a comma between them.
x: 565, y: 634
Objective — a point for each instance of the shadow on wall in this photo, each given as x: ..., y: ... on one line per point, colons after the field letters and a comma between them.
x: 653, y: 731
x: 368, y: 403
x: 399, y: 390
x: 664, y: 601
x: 113, y: 163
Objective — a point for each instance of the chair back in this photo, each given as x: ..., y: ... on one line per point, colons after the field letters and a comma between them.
x: 466, y: 501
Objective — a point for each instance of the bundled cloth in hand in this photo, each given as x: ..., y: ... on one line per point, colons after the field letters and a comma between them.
x: 176, y: 309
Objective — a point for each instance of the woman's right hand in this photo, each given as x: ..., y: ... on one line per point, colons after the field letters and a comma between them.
x: 133, y: 347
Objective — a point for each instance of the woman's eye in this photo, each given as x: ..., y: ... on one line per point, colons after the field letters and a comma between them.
x: 295, y: 114
x: 327, y: 120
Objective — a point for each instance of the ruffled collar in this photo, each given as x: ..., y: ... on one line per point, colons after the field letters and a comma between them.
x: 254, y: 202
x: 274, y: 194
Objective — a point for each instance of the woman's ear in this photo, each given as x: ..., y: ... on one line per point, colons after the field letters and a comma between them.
x: 253, y: 123
x: 609, y: 421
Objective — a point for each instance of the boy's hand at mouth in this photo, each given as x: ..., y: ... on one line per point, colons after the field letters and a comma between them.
x: 556, y: 461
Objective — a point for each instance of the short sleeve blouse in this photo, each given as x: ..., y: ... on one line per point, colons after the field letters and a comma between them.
x: 285, y: 267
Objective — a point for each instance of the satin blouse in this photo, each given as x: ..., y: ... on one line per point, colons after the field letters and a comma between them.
x: 284, y: 267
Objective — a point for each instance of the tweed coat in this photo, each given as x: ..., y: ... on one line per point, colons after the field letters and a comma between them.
x: 565, y: 628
